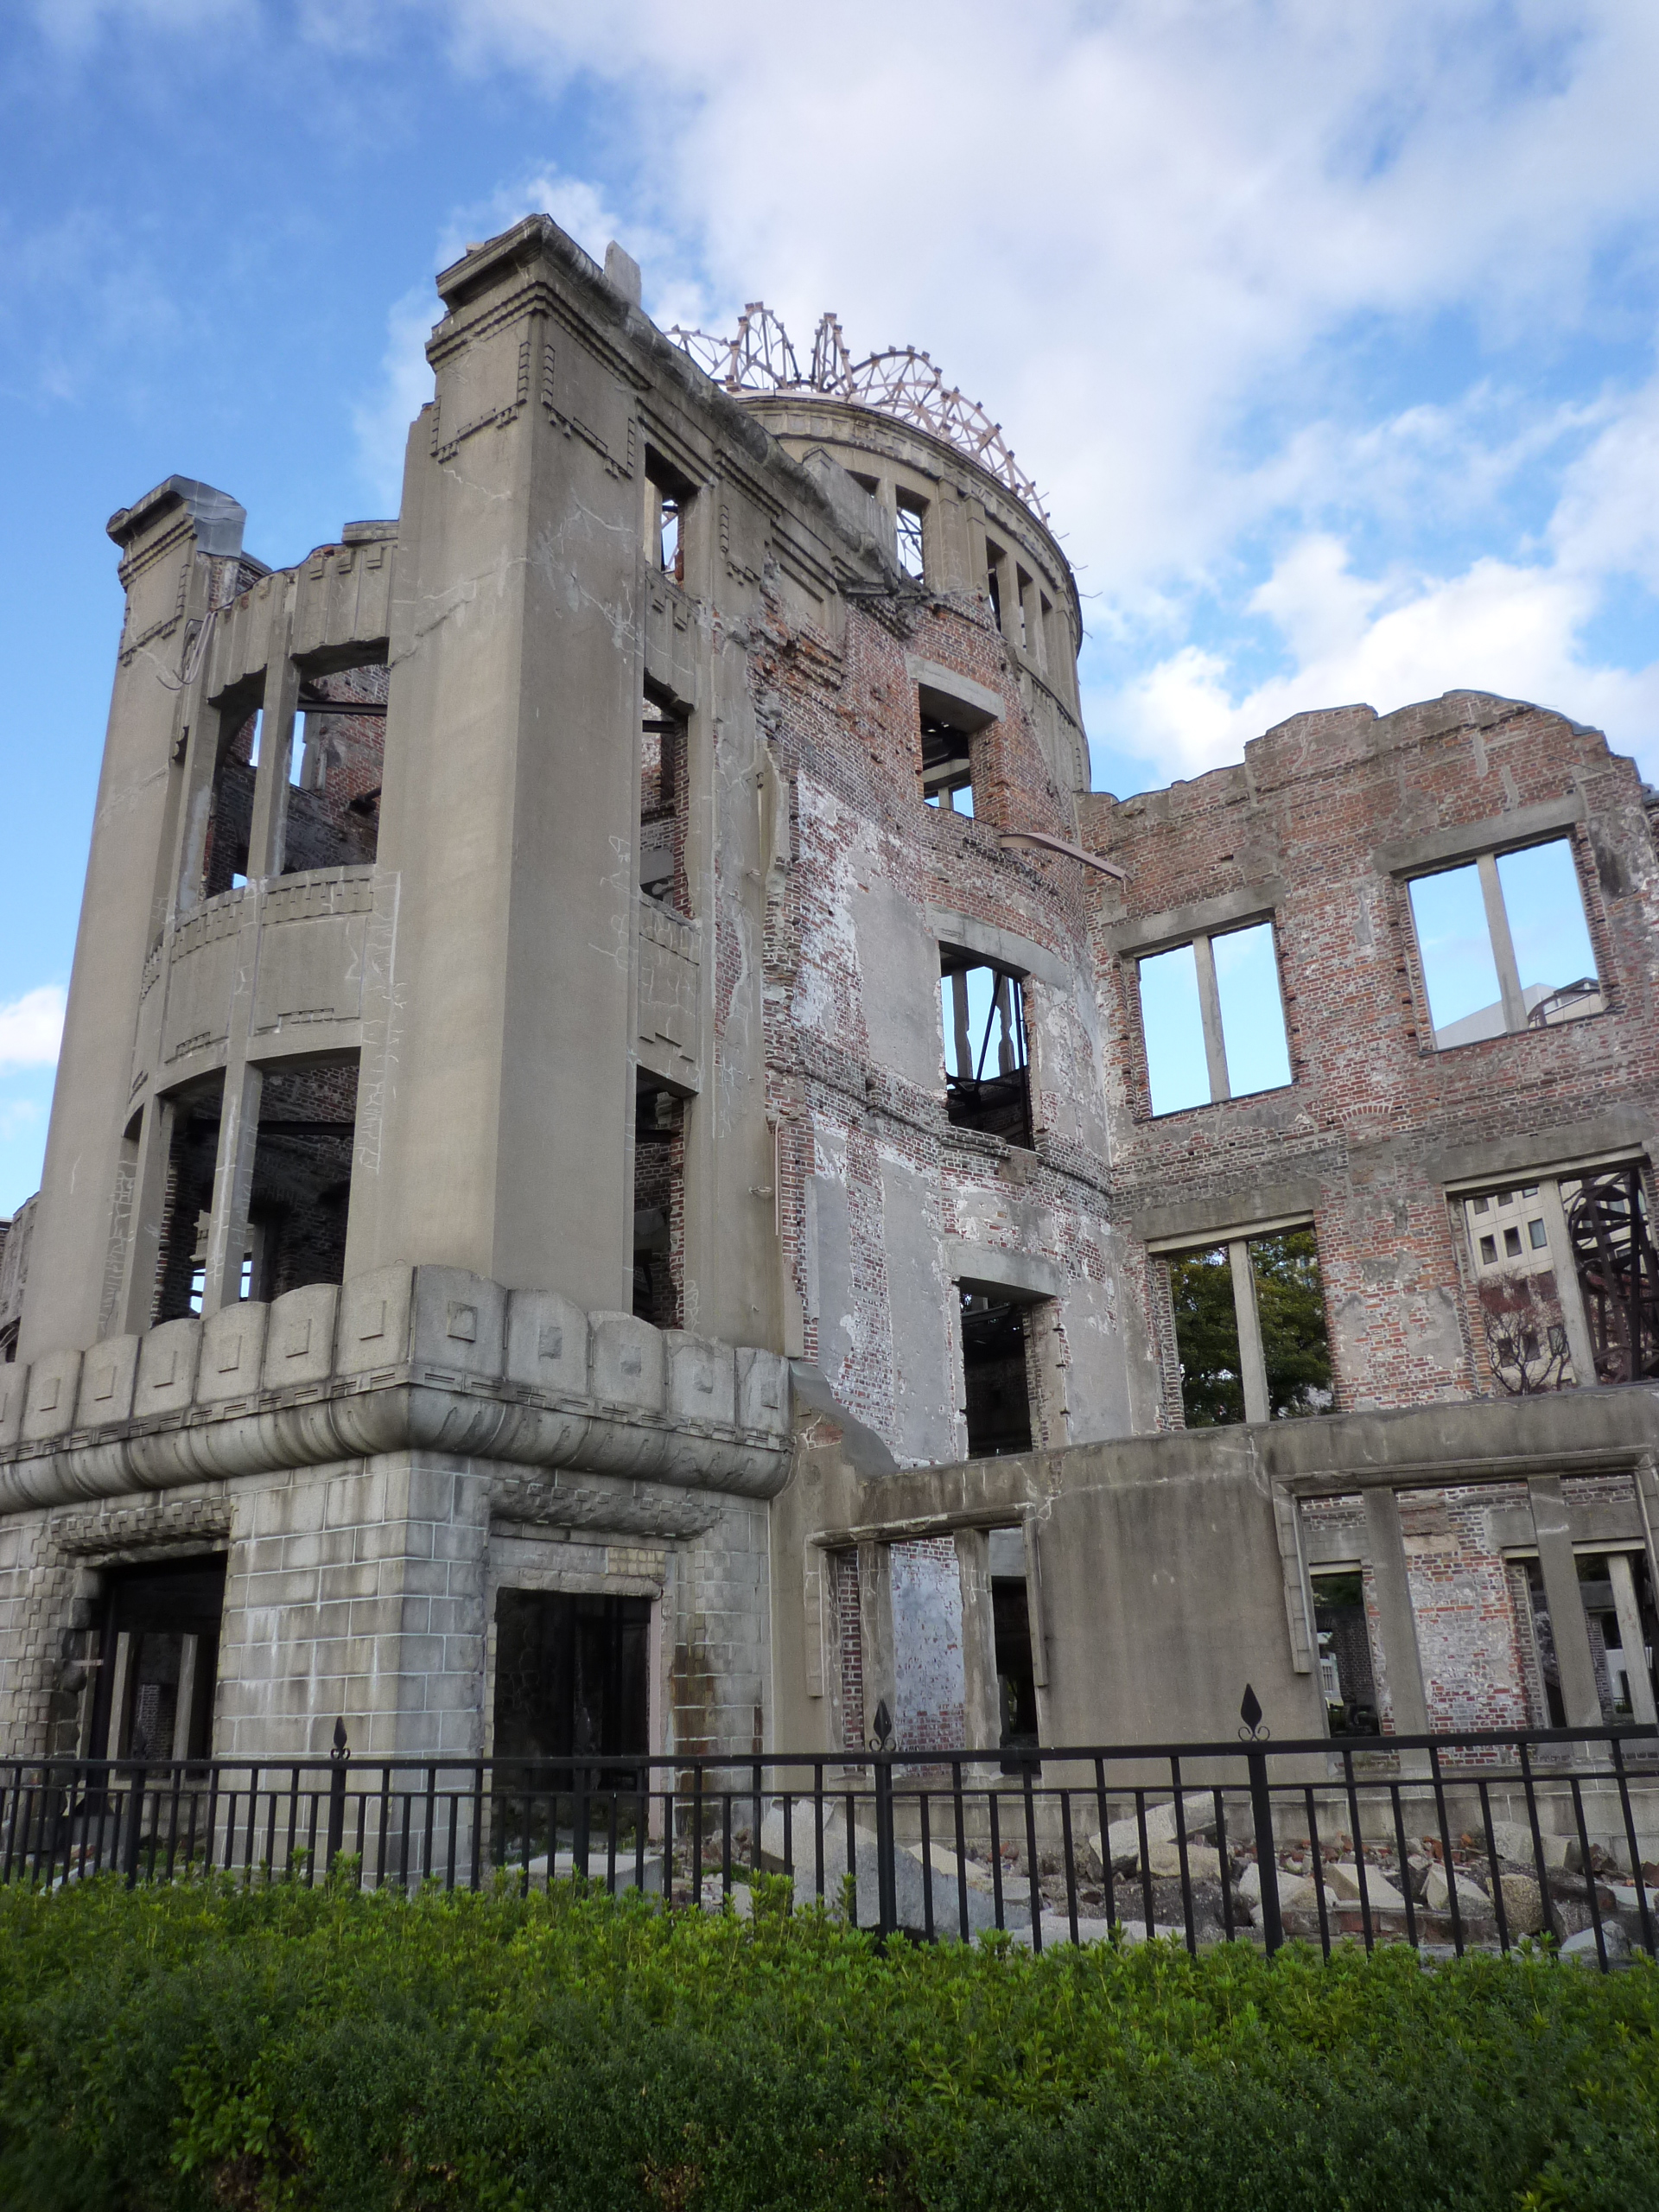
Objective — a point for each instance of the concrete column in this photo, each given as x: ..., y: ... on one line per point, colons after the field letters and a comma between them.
x: 137, y: 1295
x: 1214, y: 1049
x: 1573, y: 1317
x: 1252, y: 1360
x: 1630, y: 1640
x: 875, y: 1632
x: 981, y: 1716
x: 1566, y: 1621
x: 1401, y: 1656
x: 1497, y: 921
x: 168, y: 542
x: 270, y: 821
x: 504, y: 1054
x: 238, y: 1138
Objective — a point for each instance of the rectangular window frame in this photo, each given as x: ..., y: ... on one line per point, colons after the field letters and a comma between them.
x: 1215, y: 1043
x: 1542, y: 1200
x: 956, y: 961
x: 1252, y: 1354
x: 1517, y: 1017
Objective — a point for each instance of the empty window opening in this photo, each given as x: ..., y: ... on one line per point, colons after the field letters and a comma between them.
x: 987, y: 1071
x: 157, y: 1661
x: 1504, y: 944
x: 663, y: 803
x: 230, y: 807
x: 668, y: 501
x: 1016, y: 1680
x: 1564, y: 1260
x: 1213, y: 1019
x: 659, y: 1203
x: 908, y: 519
x: 1616, y: 1588
x: 996, y: 1372
x: 301, y: 1190
x: 336, y: 766
x: 930, y: 1688
x: 187, y: 1205
x: 1023, y: 622
x: 1345, y: 1677
x: 995, y: 558
x: 572, y: 1684
x: 1271, y: 1361
x: 947, y: 765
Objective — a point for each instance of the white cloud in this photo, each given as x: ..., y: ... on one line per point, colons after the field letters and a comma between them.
x: 381, y: 423
x: 31, y: 1028
x: 1192, y: 256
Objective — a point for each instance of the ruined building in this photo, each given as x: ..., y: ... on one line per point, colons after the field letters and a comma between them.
x: 638, y: 1161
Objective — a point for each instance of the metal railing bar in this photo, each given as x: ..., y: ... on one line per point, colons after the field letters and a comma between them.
x: 1635, y: 1848
x: 1032, y: 1881
x: 1355, y: 1829
x: 1493, y: 1875
x: 1588, y: 1870
x: 1185, y: 1864
x: 1446, y: 1850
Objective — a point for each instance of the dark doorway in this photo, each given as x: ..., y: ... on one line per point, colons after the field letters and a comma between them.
x: 658, y: 1201
x: 1345, y: 1675
x: 1016, y: 1682
x: 301, y: 1191
x: 997, y: 1388
x: 158, y: 1660
x: 572, y: 1675
x: 192, y: 1152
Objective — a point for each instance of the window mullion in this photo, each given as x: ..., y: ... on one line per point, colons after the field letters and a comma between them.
x: 1252, y: 1360
x: 1215, y: 1050
x: 1573, y: 1317
x: 1497, y: 922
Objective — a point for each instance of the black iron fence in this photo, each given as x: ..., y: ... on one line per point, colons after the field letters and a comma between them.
x: 1449, y: 1842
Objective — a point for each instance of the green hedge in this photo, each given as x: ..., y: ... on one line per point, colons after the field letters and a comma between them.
x: 204, y: 2045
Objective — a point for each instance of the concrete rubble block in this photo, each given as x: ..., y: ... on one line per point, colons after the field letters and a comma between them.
x: 702, y: 1379
x: 1523, y: 1906
x: 1124, y: 1836
x: 1437, y: 1893
x: 911, y: 1878
x: 300, y: 1336
x: 1582, y: 1947
x: 108, y: 1373
x: 762, y: 1391
x: 1342, y: 1881
x: 626, y: 1362
x: 458, y: 1324
x: 233, y: 1352
x: 1203, y: 1860
x: 1297, y: 1893
x: 166, y: 1368
x: 547, y: 1342
x: 373, y: 1332
x: 49, y: 1406
x: 1512, y: 1840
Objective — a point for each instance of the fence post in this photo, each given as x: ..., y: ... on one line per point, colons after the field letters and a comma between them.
x: 1254, y: 1732
x: 887, y: 1884
x: 338, y: 1759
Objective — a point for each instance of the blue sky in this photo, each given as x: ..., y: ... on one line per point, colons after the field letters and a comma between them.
x: 1328, y: 332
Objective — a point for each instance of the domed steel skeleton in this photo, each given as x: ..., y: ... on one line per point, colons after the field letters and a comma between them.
x: 899, y: 381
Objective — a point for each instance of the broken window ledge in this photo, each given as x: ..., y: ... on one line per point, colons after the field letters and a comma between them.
x: 1431, y: 1051
x: 1215, y: 1105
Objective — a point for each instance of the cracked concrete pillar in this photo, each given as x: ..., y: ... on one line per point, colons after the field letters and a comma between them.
x: 497, y: 1082
x: 170, y: 541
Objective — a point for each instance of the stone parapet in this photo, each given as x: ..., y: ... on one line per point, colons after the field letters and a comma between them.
x: 404, y: 1359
